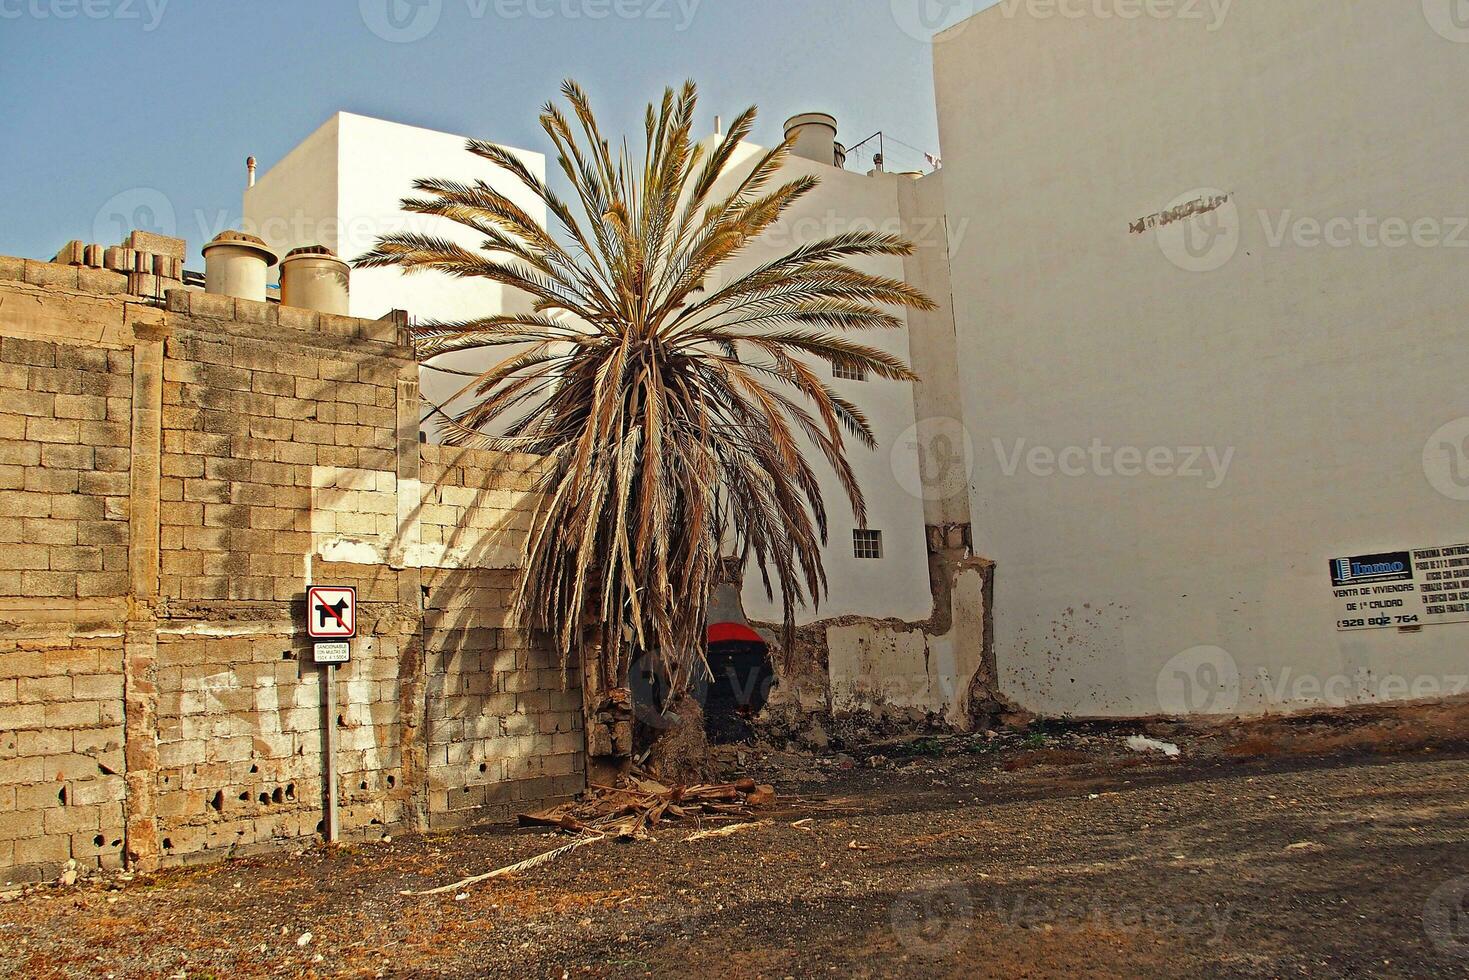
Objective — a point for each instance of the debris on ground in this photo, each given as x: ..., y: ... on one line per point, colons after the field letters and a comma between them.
x: 1213, y: 864
x: 630, y: 811
x: 510, y: 869
x: 1141, y: 743
x: 728, y: 831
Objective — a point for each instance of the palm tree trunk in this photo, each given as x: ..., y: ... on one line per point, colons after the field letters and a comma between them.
x: 607, y: 715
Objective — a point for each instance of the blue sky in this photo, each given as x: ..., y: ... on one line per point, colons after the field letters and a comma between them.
x: 113, y: 100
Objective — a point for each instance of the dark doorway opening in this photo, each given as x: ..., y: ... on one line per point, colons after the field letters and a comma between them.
x: 738, y: 690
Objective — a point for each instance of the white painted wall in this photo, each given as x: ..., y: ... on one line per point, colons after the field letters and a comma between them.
x: 897, y: 585
x: 343, y: 186
x: 1324, y: 370
x: 944, y: 453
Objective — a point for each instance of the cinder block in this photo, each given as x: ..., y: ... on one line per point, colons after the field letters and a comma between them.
x: 65, y: 457
x: 73, y: 252
x: 14, y: 717
x: 158, y: 244
x: 212, y: 305
x: 104, y: 282
x: 72, y: 819
x: 102, y: 584
x: 46, y: 851
x: 25, y: 557
x: 48, y: 585
x: 53, y: 430
x: 22, y: 825
x: 73, y: 714
x: 49, y: 274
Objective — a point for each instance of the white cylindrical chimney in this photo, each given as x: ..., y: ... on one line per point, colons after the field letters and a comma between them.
x: 235, y: 264
x: 815, y: 135
x: 250, y: 170
x: 313, y: 278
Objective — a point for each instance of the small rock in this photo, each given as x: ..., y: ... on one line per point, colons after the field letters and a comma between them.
x: 304, y: 939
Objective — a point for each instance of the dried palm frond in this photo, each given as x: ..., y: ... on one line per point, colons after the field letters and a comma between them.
x: 677, y: 416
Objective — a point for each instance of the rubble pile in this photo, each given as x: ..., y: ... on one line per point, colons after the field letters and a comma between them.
x: 632, y: 810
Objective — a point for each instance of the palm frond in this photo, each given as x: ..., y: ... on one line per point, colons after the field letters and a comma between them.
x: 676, y: 420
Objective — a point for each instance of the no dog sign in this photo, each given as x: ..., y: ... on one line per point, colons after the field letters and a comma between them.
x: 331, y: 613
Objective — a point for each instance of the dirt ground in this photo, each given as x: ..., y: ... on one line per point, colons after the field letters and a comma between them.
x: 1305, y: 848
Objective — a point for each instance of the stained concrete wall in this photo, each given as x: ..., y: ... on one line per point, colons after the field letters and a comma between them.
x: 176, y: 475
x: 1320, y: 371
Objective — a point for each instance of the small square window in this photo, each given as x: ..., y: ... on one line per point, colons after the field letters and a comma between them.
x: 867, y: 544
x: 844, y: 372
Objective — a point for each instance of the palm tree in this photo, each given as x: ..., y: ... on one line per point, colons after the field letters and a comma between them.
x: 675, y: 413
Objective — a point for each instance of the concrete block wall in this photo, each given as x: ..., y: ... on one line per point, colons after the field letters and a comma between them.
x: 61, y: 745
x: 504, y: 724
x: 65, y: 414
x: 183, y: 470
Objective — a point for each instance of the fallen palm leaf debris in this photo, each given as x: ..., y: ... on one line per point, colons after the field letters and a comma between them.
x: 525, y: 865
x: 629, y: 812
x: 729, y: 831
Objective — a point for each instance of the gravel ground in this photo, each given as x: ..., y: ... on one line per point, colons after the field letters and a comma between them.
x: 1059, y: 855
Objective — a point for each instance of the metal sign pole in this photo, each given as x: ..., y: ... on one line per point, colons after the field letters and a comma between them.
x: 329, y: 678
x: 320, y: 611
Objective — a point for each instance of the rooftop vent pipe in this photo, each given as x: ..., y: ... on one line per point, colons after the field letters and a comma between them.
x: 235, y: 264
x: 313, y: 278
x: 815, y: 135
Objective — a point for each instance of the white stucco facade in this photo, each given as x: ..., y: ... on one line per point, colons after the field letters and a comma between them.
x: 343, y: 186
x: 895, y: 586
x: 1302, y: 335
x: 1200, y: 284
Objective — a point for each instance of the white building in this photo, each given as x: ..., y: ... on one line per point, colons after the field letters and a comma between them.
x: 343, y: 186
x: 1202, y: 276
x: 1301, y: 316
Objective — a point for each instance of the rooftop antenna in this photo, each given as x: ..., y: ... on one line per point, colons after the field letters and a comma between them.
x: 250, y: 169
